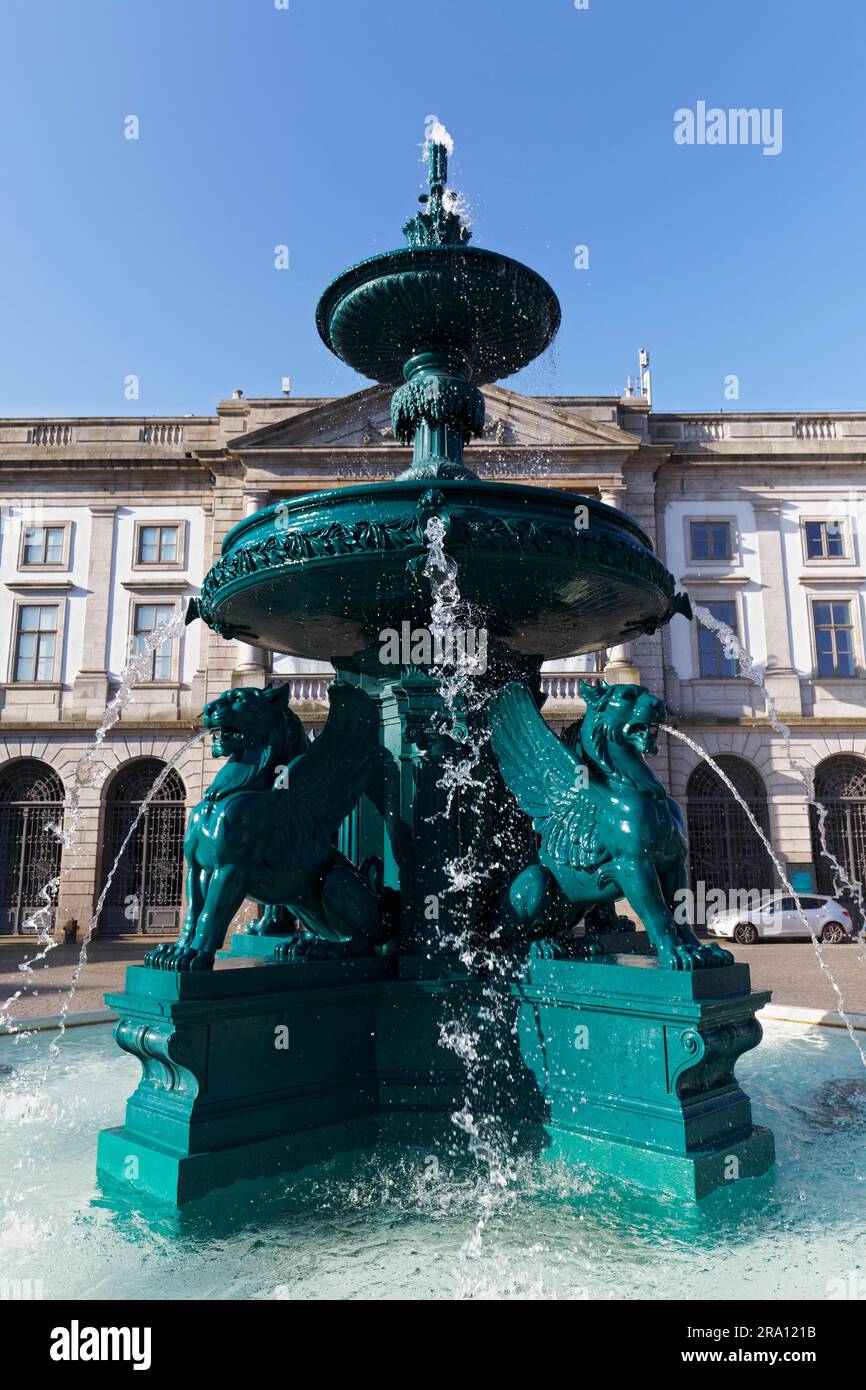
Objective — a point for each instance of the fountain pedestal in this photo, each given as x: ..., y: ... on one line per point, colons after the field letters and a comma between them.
x: 636, y: 1065
x: 263, y: 1067
x: 245, y: 1071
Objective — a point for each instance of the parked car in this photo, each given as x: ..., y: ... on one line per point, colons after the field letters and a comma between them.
x: 777, y: 916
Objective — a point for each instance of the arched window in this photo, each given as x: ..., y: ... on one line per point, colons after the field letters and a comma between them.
x: 840, y: 787
x: 724, y: 849
x: 146, y: 889
x: 31, y: 802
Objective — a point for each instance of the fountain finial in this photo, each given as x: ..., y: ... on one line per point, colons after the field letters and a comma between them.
x: 439, y: 225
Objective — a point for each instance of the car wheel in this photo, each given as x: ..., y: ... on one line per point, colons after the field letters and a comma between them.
x: 833, y: 932
x: 745, y: 933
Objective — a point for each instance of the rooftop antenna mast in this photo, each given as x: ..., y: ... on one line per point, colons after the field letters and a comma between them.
x: 646, y: 378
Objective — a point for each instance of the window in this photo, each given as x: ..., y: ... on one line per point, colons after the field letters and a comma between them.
x: 148, y: 617
x: 710, y: 540
x: 824, y: 540
x: 158, y: 545
x: 43, y: 545
x: 712, y: 662
x: 36, y: 642
x: 834, y: 637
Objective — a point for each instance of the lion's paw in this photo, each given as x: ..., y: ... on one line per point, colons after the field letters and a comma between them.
x: 179, y: 957
x: 688, y: 955
x: 312, y: 948
x: 545, y: 948
x: 679, y: 956
x: 713, y: 955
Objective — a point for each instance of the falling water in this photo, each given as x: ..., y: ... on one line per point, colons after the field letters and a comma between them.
x: 474, y: 1037
x: 735, y: 651
x: 819, y: 949
x: 88, y: 773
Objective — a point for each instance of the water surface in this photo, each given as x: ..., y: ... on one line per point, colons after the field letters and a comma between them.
x: 396, y: 1224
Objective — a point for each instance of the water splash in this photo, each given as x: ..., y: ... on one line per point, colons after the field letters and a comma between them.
x: 819, y: 949
x: 474, y: 1030
x: 748, y: 667
x: 88, y: 773
x: 436, y: 134
x: 453, y: 200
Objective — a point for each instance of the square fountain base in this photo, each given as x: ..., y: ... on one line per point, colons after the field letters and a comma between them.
x: 262, y: 1068
x: 637, y: 1068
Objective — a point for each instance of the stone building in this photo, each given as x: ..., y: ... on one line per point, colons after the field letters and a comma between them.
x: 108, y: 525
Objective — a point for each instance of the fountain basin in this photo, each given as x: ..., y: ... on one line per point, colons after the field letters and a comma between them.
x: 381, y: 312
x: 390, y: 1225
x: 546, y: 572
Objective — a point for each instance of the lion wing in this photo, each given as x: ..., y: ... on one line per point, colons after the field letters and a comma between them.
x: 320, y: 787
x: 546, y: 778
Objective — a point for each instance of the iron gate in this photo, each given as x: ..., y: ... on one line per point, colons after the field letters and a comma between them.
x: 31, y: 802
x: 840, y: 787
x: 146, y: 891
x: 724, y: 850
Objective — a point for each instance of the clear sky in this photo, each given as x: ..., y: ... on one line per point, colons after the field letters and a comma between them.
x: 263, y: 126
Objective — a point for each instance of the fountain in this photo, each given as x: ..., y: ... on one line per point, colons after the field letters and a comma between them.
x: 437, y: 844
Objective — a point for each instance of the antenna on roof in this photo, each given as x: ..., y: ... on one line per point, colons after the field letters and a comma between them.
x: 646, y: 378
x: 287, y: 385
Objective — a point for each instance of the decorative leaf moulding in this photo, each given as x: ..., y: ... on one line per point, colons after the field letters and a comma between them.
x: 289, y: 548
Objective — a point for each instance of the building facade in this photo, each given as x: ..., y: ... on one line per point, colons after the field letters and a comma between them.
x: 108, y: 526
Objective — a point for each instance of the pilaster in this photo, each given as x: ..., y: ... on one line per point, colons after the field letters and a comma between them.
x: 91, y: 685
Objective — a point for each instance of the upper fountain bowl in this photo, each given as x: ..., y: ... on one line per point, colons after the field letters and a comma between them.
x: 384, y: 311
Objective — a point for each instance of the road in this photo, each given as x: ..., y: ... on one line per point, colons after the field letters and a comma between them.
x: 789, y: 969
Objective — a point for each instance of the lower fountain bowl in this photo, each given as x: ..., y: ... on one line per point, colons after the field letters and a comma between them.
x: 545, y: 572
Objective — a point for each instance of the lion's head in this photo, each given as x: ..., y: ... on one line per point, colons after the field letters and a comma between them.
x: 627, y: 716
x: 242, y: 719
x: 253, y: 729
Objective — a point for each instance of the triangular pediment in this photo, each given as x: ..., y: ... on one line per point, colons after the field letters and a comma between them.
x: 526, y: 421
x: 363, y: 421
x: 359, y: 421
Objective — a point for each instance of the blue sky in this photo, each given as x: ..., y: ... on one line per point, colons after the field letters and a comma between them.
x: 261, y: 127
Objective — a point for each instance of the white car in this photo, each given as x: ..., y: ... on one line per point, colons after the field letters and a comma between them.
x: 777, y: 916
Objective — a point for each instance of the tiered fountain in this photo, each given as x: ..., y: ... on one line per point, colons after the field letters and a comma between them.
x: 438, y: 852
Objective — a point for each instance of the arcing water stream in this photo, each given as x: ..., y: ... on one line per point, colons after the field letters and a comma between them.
x: 91, y: 926
x: 89, y: 773
x: 734, y: 650
x: 684, y: 738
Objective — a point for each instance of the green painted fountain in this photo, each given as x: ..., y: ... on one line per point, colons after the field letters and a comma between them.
x: 439, y: 958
